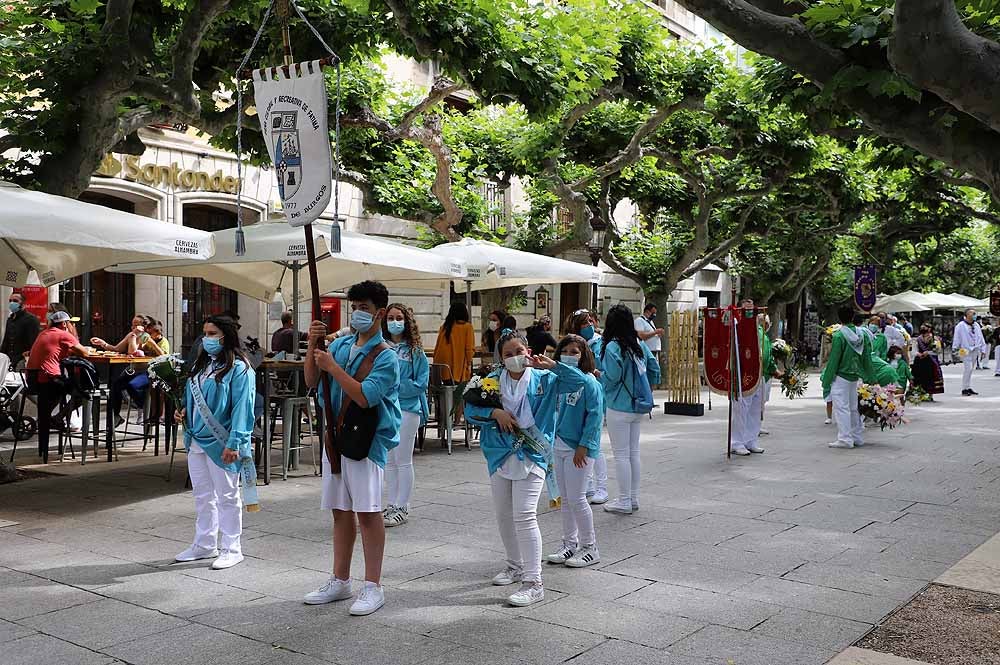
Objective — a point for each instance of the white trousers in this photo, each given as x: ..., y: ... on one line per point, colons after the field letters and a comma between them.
x: 597, y: 476
x: 844, y: 395
x: 577, y: 517
x: 968, y: 365
x: 996, y: 360
x: 623, y: 428
x: 746, y: 419
x: 399, y: 466
x: 516, y: 505
x: 216, y: 502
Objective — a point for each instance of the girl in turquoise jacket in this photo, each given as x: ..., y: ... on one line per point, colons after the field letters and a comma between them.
x: 218, y: 416
x: 577, y: 445
x: 625, y: 360
x: 583, y: 322
x: 514, y: 440
x: 401, y: 328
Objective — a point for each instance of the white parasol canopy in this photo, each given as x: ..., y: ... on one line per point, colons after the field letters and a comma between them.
x: 60, y: 238
x: 275, y: 252
x: 493, y: 266
x: 907, y: 301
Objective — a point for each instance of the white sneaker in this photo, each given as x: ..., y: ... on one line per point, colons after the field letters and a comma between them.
x: 859, y: 444
x: 371, y: 598
x: 585, y: 556
x: 194, y: 553
x: 333, y: 590
x: 840, y: 444
x: 619, y: 507
x: 529, y: 594
x: 599, y: 497
x: 741, y: 450
x: 755, y: 449
x: 508, y: 577
x: 564, y: 552
x: 227, y: 559
x: 635, y: 506
x: 828, y: 421
x: 396, y: 516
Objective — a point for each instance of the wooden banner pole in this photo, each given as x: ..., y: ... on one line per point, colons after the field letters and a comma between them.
x: 733, y: 359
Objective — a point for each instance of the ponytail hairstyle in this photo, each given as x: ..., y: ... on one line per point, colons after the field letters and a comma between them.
x: 231, y: 350
x: 619, y: 327
x: 411, y: 332
x: 457, y: 312
x: 587, y: 363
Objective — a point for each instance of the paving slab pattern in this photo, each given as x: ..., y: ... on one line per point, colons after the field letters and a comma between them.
x: 781, y: 558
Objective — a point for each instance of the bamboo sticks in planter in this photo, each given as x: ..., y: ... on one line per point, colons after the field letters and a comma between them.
x: 683, y: 366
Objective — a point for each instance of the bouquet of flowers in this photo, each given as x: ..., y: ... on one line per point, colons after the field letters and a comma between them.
x: 879, y: 404
x: 829, y: 330
x: 916, y: 394
x: 166, y: 373
x: 782, y: 351
x: 793, y: 381
x: 483, y: 391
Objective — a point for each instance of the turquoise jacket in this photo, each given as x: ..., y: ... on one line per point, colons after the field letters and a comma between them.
x: 543, y: 390
x: 581, y: 415
x: 616, y: 371
x: 231, y: 402
x: 380, y: 387
x: 596, y: 343
x: 414, y: 375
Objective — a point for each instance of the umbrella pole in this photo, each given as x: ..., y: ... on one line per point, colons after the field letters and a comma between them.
x: 296, y: 266
x: 468, y: 296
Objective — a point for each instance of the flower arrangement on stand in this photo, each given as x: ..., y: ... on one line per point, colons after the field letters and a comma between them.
x: 793, y: 380
x: 879, y: 403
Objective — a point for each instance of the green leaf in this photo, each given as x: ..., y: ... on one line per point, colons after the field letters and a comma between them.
x: 84, y: 7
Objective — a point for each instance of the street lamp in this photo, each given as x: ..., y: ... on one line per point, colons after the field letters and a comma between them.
x: 596, y: 247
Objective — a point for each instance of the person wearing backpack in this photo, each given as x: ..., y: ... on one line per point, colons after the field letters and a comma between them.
x: 218, y: 417
x: 629, y: 369
x: 358, y: 381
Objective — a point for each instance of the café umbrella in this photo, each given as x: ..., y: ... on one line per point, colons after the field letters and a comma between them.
x: 493, y: 266
x: 60, y: 238
x: 276, y: 253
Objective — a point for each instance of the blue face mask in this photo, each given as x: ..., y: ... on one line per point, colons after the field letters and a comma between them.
x: 572, y: 361
x: 873, y: 327
x: 212, y: 345
x: 13, y: 306
x: 361, y: 321
x: 396, y: 327
x: 587, y: 333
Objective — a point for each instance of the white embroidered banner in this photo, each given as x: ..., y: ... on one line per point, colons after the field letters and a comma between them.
x: 293, y: 117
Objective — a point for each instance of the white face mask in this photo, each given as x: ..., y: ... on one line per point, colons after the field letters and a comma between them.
x: 515, y: 364
x: 493, y: 325
x: 572, y: 361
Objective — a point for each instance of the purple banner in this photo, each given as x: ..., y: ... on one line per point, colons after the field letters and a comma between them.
x: 865, y: 287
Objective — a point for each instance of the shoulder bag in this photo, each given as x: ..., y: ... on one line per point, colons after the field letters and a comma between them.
x: 354, y: 431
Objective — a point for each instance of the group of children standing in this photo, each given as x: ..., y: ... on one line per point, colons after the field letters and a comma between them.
x: 372, y: 385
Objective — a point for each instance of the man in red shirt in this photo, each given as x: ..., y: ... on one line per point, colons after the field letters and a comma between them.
x: 53, y: 345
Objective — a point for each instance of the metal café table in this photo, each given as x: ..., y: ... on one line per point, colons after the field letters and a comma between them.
x: 289, y: 367
x: 110, y: 360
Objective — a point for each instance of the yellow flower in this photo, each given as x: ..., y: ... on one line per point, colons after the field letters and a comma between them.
x: 963, y: 352
x: 792, y: 381
x: 491, y: 384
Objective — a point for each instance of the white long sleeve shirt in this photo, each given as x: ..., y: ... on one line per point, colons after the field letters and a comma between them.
x: 969, y: 337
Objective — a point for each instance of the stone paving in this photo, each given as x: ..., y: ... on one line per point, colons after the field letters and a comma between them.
x: 781, y: 559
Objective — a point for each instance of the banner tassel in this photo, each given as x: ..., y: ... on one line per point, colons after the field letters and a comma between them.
x: 241, y: 242
x: 335, y: 243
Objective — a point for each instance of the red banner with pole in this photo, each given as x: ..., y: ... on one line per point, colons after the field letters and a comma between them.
x: 718, y: 335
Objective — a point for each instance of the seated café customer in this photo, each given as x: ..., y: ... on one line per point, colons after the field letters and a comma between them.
x: 283, y: 338
x: 134, y: 341
x: 53, y: 345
